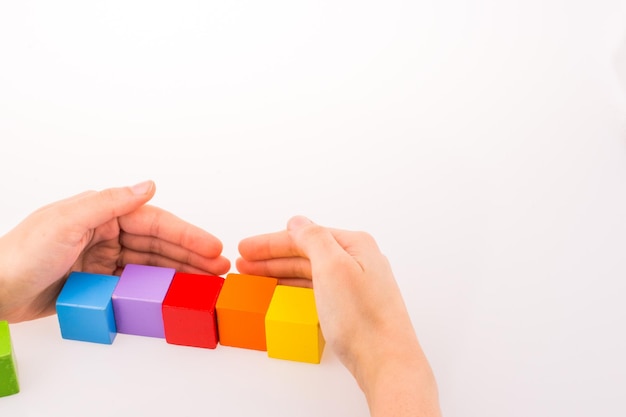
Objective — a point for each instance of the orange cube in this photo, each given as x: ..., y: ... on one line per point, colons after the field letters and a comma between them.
x: 241, y: 308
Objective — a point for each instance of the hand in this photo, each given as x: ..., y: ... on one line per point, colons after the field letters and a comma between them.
x: 97, y: 232
x: 361, y: 311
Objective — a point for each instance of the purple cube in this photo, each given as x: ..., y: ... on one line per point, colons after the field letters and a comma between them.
x: 138, y: 298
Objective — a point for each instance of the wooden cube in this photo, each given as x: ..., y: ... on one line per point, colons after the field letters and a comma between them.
x: 138, y: 299
x: 9, y: 383
x: 189, y: 310
x: 241, y: 308
x: 84, y: 308
x: 292, y: 326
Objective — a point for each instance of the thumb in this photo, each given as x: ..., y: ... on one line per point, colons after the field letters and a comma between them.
x: 95, y: 208
x: 319, y: 245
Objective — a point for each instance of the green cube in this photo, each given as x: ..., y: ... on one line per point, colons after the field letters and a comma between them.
x: 8, y: 366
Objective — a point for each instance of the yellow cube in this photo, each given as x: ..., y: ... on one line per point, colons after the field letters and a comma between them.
x: 292, y: 327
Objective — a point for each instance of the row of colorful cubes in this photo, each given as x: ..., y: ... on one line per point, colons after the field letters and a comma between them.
x: 197, y: 310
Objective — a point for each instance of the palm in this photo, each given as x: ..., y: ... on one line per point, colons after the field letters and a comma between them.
x: 101, y: 253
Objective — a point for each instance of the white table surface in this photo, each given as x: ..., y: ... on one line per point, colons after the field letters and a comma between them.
x: 482, y: 143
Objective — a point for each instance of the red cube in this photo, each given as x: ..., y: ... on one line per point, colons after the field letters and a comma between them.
x: 189, y: 310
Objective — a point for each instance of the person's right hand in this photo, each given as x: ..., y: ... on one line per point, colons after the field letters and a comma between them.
x: 361, y: 310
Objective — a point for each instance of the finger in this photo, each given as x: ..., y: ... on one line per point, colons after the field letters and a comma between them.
x: 296, y: 282
x: 149, y: 244
x: 89, y: 210
x: 268, y: 246
x: 161, y: 224
x: 216, y: 266
x: 277, y: 268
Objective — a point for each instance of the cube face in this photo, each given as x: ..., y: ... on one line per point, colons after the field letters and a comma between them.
x: 84, y: 308
x: 241, y: 309
x: 138, y: 298
x: 9, y: 383
x: 294, y: 342
x: 189, y: 310
x: 292, y: 326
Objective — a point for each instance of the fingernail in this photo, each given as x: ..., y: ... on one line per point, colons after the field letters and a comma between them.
x: 141, y: 188
x: 297, y: 222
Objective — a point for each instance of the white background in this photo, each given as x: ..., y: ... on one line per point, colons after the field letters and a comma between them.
x: 483, y: 143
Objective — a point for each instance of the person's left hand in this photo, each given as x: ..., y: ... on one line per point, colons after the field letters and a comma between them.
x: 97, y: 232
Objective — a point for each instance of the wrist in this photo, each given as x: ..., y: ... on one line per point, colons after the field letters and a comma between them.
x: 396, y: 378
x: 4, y: 279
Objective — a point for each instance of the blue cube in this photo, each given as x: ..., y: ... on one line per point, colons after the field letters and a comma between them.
x: 85, y: 310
